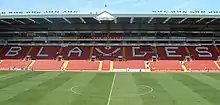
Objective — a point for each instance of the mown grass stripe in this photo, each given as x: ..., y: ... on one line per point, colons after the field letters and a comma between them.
x: 207, y: 80
x: 159, y: 92
x: 204, y: 90
x: 3, y: 72
x: 67, y: 96
x: 11, y: 74
x: 213, y: 75
x: 25, y: 85
x: 99, y: 86
x: 125, y: 91
x: 17, y: 79
x: 182, y: 94
x: 35, y: 94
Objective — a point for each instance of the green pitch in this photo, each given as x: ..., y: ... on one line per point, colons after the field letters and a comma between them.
x: 71, y: 88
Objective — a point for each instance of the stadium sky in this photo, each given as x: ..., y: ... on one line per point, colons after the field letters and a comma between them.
x: 114, y: 6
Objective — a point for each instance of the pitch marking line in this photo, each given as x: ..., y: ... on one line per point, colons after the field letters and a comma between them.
x: 110, y: 94
x: 72, y: 89
x: 136, y: 95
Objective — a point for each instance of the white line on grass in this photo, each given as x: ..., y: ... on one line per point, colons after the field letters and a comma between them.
x: 110, y: 94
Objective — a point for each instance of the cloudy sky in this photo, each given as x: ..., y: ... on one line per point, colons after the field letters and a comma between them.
x: 114, y: 6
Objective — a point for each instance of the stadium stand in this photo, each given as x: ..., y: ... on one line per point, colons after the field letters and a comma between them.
x: 126, y: 42
x: 53, y: 57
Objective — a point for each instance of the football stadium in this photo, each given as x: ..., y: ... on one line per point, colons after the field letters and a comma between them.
x: 68, y: 58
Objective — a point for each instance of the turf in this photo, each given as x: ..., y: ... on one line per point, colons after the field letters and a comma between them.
x: 71, y: 88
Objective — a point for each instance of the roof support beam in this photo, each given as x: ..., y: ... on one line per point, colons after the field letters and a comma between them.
x: 211, y: 21
x: 149, y: 21
x: 165, y: 21
x: 131, y: 20
x: 19, y: 21
x: 48, y: 20
x: 82, y: 20
x: 115, y: 20
x: 181, y: 21
x: 5, y: 22
x: 31, y: 20
x: 99, y: 21
x: 197, y: 21
x: 67, y: 20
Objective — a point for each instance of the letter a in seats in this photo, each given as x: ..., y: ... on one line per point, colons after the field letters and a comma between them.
x: 75, y: 50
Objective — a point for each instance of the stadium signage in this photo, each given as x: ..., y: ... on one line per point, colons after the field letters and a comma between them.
x: 106, y: 51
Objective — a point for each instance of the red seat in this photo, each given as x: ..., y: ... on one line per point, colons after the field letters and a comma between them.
x: 13, y: 63
x: 106, y: 65
x: 166, y: 65
x: 47, y: 65
x: 201, y: 65
x: 82, y: 65
x: 131, y: 64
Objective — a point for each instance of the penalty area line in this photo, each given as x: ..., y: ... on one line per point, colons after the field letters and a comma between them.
x: 110, y: 94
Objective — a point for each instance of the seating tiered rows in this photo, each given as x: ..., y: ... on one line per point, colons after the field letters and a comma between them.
x: 47, y: 65
x: 201, y: 65
x: 14, y: 64
x: 82, y: 65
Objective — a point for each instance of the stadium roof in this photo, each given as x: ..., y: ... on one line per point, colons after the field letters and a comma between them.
x: 106, y: 17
